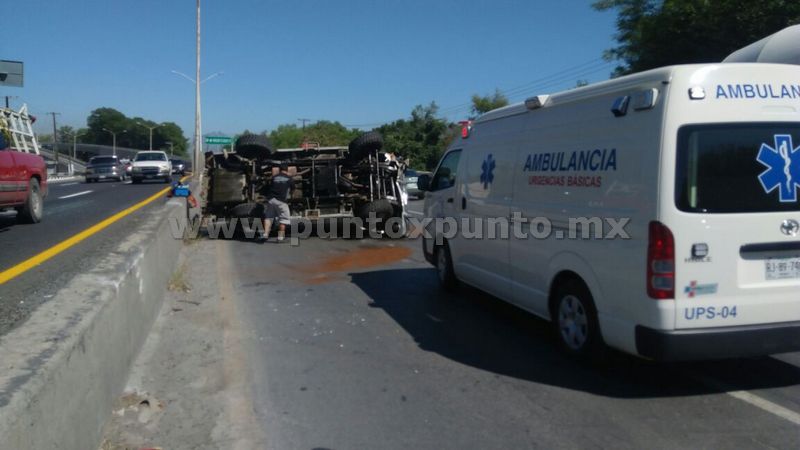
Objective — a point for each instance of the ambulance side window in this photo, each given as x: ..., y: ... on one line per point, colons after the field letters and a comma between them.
x: 445, y: 175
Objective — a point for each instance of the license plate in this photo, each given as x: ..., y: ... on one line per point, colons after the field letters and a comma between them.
x: 782, y: 268
x: 148, y: 176
x: 102, y: 176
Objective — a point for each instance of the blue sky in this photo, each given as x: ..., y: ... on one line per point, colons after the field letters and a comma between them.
x: 359, y: 62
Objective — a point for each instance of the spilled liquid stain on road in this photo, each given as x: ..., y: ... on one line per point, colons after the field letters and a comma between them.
x: 335, y: 267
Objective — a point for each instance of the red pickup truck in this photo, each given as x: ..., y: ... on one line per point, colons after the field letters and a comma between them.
x: 23, y: 180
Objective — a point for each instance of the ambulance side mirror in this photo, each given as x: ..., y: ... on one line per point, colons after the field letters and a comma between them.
x: 424, y: 182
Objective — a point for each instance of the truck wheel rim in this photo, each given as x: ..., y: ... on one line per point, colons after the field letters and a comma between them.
x: 36, y: 204
x: 573, y: 322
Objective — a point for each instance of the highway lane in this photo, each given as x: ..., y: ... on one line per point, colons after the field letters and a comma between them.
x: 354, y: 346
x: 69, y: 208
x: 351, y: 344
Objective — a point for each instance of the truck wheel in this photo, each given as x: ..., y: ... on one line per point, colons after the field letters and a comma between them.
x: 444, y: 268
x: 361, y: 146
x: 382, y: 209
x: 31, y: 211
x: 575, y: 321
x: 252, y: 146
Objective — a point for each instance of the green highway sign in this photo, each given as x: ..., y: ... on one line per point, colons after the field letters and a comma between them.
x: 222, y: 140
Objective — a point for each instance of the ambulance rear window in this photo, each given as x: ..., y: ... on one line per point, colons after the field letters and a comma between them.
x: 738, y: 168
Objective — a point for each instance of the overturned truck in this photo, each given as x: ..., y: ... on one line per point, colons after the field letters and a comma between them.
x: 358, y: 187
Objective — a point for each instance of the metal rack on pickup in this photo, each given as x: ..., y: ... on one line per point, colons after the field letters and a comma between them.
x: 19, y: 125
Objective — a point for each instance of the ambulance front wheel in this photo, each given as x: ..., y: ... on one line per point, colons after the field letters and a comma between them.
x: 444, y: 268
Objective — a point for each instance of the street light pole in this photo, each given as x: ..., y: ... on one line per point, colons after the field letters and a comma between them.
x: 114, y: 139
x: 151, y: 132
x: 55, y: 138
x: 74, y: 151
x: 197, y: 114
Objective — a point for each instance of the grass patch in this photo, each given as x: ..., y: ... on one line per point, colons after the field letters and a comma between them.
x: 178, y: 282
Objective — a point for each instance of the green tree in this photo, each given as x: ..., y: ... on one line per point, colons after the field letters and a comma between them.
x: 486, y: 103
x: 420, y: 139
x: 170, y: 132
x: 656, y: 33
x: 131, y: 133
x: 324, y: 132
x: 65, y: 133
x: 106, y: 118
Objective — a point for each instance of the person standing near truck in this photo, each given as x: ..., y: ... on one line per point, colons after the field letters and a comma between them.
x: 276, y: 208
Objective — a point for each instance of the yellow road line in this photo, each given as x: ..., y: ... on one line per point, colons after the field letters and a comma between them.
x: 34, y: 261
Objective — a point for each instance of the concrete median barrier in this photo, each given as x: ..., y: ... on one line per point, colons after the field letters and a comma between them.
x: 61, y: 370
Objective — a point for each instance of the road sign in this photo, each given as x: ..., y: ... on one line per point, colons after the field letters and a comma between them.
x: 11, y: 73
x: 220, y: 140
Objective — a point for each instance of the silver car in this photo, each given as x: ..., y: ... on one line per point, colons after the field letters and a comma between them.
x: 105, y: 168
x: 411, y: 176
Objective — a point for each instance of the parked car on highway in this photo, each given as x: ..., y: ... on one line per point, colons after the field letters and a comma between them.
x: 178, y: 167
x: 410, y: 177
x: 104, y: 168
x: 23, y: 173
x: 151, y: 165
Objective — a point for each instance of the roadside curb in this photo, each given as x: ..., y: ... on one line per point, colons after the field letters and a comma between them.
x: 61, y: 371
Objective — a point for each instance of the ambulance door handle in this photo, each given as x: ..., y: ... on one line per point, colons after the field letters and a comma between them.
x: 450, y: 200
x: 463, y: 203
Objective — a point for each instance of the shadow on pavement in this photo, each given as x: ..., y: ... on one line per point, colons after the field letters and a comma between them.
x: 478, y: 330
x: 7, y: 220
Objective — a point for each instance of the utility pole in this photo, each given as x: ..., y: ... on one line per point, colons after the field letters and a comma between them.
x: 9, y: 97
x: 303, y: 121
x: 55, y: 138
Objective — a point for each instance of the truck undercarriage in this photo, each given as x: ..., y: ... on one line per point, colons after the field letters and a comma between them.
x: 358, y: 183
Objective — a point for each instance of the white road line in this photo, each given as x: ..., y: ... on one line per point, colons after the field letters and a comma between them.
x: 755, y: 400
x: 414, y: 212
x: 66, y: 184
x: 75, y: 195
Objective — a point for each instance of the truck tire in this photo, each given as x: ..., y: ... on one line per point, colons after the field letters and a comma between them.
x: 253, y: 146
x: 363, y: 145
x: 382, y: 209
x: 31, y: 211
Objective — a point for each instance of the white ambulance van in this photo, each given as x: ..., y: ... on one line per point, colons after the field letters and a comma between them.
x: 700, y: 167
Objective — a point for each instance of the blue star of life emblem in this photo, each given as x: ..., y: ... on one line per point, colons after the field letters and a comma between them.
x: 783, y: 168
x: 487, y: 171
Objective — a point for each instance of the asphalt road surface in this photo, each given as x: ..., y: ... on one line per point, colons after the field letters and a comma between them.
x: 347, y: 344
x: 69, y: 208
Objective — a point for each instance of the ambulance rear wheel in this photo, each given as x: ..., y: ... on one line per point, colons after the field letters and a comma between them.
x: 575, y: 321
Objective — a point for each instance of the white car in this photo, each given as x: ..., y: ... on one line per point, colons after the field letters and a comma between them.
x: 151, y: 165
x: 698, y: 167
